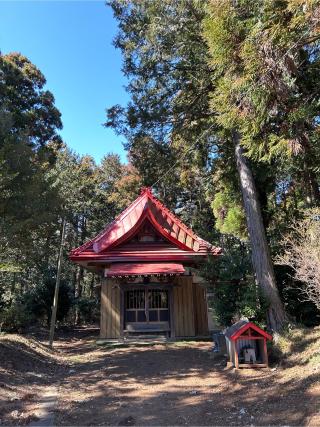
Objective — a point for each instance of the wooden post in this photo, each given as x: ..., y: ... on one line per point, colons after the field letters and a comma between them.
x: 56, y: 290
x: 171, y: 313
x: 121, y: 311
x: 104, y: 309
x: 236, y: 356
x: 265, y: 350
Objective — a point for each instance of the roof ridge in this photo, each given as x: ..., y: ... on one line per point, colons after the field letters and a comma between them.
x: 147, y: 192
x: 107, y: 227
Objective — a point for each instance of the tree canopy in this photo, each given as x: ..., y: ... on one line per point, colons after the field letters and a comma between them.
x: 222, y: 121
x: 199, y: 72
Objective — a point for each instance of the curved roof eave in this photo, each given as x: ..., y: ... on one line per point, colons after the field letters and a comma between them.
x: 146, y: 207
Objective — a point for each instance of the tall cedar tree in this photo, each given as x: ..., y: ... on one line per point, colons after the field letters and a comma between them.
x: 265, y: 60
x: 29, y: 122
x: 166, y: 60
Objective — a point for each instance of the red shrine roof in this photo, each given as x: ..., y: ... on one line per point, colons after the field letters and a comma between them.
x: 240, y: 327
x: 146, y: 231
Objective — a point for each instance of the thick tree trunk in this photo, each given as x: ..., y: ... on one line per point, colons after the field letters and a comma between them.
x: 261, y: 258
x: 314, y: 188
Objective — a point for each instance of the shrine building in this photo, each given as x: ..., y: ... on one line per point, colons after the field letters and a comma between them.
x: 145, y: 258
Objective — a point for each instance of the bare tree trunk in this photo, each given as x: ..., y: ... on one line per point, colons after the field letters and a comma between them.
x: 79, y: 274
x: 56, y: 291
x: 314, y: 188
x: 261, y: 258
x: 91, y: 286
x: 78, y: 293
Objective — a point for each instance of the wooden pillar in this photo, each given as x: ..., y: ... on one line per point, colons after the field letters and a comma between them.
x: 171, y: 314
x: 265, y: 350
x: 236, y: 356
x: 110, y: 326
x: 200, y: 310
x: 122, y: 302
x: 183, y: 308
x: 103, y: 309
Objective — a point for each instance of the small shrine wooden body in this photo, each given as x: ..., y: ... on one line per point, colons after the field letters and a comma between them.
x: 247, y: 345
x: 143, y: 258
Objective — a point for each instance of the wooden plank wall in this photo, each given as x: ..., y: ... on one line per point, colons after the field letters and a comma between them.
x: 183, y: 310
x: 200, y: 310
x: 110, y: 310
x: 189, y: 309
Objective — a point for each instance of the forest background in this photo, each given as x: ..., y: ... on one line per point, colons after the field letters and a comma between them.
x: 208, y: 81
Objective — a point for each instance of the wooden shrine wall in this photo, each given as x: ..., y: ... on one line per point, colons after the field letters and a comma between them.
x: 200, y: 310
x: 110, y: 310
x: 189, y: 306
x: 183, y: 307
x: 190, y: 309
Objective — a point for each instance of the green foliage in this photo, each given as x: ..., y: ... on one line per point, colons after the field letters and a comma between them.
x: 28, y: 133
x: 233, y: 301
x: 27, y: 108
x: 41, y: 182
x: 230, y: 218
x: 89, y: 309
x: 196, y: 70
x: 15, y: 317
x: 13, y: 312
x: 19, y: 310
x: 165, y: 61
x: 265, y: 57
x: 231, y: 280
x: 218, y: 66
x: 39, y: 300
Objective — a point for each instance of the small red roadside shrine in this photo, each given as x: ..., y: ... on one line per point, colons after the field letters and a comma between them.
x: 146, y: 287
x: 247, y: 345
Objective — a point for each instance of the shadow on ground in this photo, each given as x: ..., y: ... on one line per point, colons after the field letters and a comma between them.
x: 167, y: 384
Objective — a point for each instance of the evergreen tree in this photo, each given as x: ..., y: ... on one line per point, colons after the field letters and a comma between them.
x: 246, y: 72
x: 28, y: 131
x: 261, y: 54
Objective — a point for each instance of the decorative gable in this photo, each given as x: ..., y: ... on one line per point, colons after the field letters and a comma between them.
x: 147, y: 234
x: 144, y: 230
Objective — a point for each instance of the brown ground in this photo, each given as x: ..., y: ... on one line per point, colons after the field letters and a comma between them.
x: 175, y: 384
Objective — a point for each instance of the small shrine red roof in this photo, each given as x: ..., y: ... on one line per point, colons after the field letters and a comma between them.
x: 238, y: 328
x: 115, y: 243
x: 132, y: 269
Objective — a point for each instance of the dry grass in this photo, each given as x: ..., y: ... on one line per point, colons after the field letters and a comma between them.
x: 300, y: 346
x: 27, y: 367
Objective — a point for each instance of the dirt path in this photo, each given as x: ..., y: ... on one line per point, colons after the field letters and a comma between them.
x: 47, y: 405
x: 174, y: 384
x: 178, y: 385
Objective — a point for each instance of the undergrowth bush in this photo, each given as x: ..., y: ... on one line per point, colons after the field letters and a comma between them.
x: 235, y: 293
x: 33, y: 306
x: 89, y: 309
x: 15, y: 316
x: 39, y: 300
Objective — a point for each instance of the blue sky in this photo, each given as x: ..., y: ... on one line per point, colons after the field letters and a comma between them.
x: 71, y: 43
